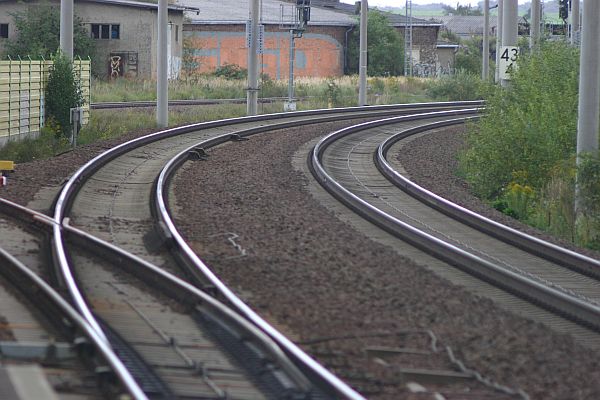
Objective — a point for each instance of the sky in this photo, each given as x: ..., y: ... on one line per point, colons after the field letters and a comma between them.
x: 401, y: 3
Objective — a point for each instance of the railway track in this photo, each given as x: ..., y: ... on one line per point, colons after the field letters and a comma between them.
x: 352, y: 164
x: 47, y: 350
x: 178, y: 348
x: 126, y: 268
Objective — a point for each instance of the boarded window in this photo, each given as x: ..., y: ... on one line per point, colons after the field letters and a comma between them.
x: 4, y: 31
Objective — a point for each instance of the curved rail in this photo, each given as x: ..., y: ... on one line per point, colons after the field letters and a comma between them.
x: 189, y: 294
x: 554, y: 300
x: 572, y: 260
x: 201, y: 270
x: 66, y: 196
x: 30, y: 283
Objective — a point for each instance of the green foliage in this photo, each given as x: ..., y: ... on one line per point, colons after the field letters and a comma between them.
x: 385, y: 49
x: 38, y: 30
x: 188, y: 61
x: 63, y: 92
x: 461, y: 10
x: 460, y: 86
x: 231, y: 71
x: 528, y: 128
x: 588, y: 180
x: 28, y: 149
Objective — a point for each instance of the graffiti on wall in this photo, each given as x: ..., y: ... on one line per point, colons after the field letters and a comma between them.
x: 123, y: 64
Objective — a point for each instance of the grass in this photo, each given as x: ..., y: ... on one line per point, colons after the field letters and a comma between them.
x: 109, y: 124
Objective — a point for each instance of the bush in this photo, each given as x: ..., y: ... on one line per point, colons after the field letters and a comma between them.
x: 588, y: 180
x: 231, y: 71
x: 529, y: 128
x: 63, y: 92
x: 460, y: 86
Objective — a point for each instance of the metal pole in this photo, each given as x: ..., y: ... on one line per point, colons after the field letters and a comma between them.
x: 252, y: 91
x: 589, y: 81
x: 509, y: 27
x: 66, y: 28
x: 574, y: 20
x: 291, y: 76
x: 499, y: 37
x: 485, y: 69
x: 536, y: 16
x: 162, y: 83
x: 362, y: 69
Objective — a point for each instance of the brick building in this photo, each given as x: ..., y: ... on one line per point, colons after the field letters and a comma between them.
x: 217, y: 36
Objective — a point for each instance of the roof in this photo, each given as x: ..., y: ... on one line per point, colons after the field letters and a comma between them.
x: 141, y: 4
x: 236, y: 12
x: 323, y: 12
x: 466, y: 24
x: 124, y: 3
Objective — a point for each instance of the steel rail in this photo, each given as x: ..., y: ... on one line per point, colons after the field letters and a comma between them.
x: 201, y: 271
x: 65, y: 197
x: 554, y: 300
x: 148, y: 103
x: 14, y: 270
x: 551, y: 252
x: 189, y: 294
x: 191, y: 102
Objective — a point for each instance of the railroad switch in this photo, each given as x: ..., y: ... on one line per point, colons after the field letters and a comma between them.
x: 198, y: 154
x: 5, y: 168
x: 237, y: 138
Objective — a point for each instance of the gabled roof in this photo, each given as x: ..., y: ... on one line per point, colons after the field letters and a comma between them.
x: 236, y: 12
x: 140, y: 4
x: 466, y: 24
x: 124, y: 3
x: 323, y: 12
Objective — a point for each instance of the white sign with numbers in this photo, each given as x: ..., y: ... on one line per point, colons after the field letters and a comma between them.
x: 508, y: 61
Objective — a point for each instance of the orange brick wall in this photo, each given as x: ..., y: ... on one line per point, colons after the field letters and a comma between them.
x: 319, y: 53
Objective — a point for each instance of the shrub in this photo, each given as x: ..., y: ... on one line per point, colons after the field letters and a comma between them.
x: 460, y: 86
x: 588, y: 183
x: 231, y: 71
x: 528, y: 128
x: 63, y: 92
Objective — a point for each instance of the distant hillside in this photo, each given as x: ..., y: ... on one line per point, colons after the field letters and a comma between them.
x: 437, y: 9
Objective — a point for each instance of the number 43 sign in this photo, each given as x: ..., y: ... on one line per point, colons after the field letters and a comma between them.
x: 508, y: 58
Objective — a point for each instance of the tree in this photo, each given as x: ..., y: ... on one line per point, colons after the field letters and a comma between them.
x: 461, y: 10
x: 38, y: 34
x: 385, y: 48
x: 63, y: 92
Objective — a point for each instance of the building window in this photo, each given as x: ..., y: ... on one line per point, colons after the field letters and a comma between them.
x: 176, y: 33
x: 106, y: 31
x: 4, y: 31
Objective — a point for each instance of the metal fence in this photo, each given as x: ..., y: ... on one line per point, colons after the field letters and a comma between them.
x: 22, y: 86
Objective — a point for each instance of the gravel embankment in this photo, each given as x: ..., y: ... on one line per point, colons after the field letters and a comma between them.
x: 323, y: 281
x: 328, y: 286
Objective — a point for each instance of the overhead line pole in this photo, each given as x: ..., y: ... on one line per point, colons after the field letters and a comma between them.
x: 252, y: 90
x: 510, y: 29
x: 499, y: 37
x: 162, y: 82
x: 574, y: 20
x: 66, y: 28
x: 362, y: 71
x: 485, y: 69
x: 536, y: 16
x: 589, y: 81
